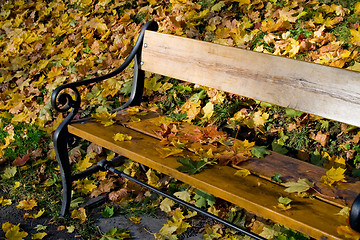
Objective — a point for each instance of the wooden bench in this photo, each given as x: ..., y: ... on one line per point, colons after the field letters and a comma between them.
x: 316, y: 89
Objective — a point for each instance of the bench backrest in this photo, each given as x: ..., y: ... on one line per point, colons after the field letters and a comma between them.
x: 312, y: 88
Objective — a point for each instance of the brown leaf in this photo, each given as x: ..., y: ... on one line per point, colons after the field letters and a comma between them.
x: 105, y: 186
x: 21, y: 161
x: 117, y: 196
x: 322, y: 138
x: 94, y: 148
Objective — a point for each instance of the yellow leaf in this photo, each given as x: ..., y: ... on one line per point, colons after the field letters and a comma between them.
x: 39, y: 235
x: 192, y: 109
x: 152, y: 179
x: 184, y: 195
x: 5, y: 202
x: 348, y: 232
x: 79, y: 214
x: 357, y: 8
x: 104, y: 118
x: 355, y: 39
x: 166, y: 205
x: 242, y: 173
x: 16, y: 185
x: 7, y: 143
x: 334, y: 175
x: 27, y: 204
x: 85, y: 185
x: 260, y: 118
x: 208, y: 110
x: 355, y: 67
x: 84, y: 163
x: 122, y: 137
x: 13, y: 232
x: 37, y: 215
x: 168, y: 151
x: 135, y: 219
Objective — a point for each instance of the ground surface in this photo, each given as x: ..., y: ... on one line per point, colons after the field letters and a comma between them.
x: 144, y: 230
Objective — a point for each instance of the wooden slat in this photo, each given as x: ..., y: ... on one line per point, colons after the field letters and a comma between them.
x: 309, y: 216
x: 342, y: 194
x: 321, y: 90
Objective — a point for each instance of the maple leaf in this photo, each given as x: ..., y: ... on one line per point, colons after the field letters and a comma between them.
x: 5, y: 202
x: 152, y: 179
x: 168, y: 151
x: 79, y: 214
x: 208, y: 110
x: 27, y: 204
x: 135, y: 219
x: 104, y: 118
x: 122, y: 137
x: 36, y: 215
x: 85, y: 185
x: 334, y: 175
x: 242, y: 173
x: 302, y: 185
x: 13, y: 232
x: 177, y: 225
x: 119, y: 195
x: 355, y: 39
x: 39, y: 235
x: 166, y: 205
x: 183, y: 195
x: 105, y: 186
x: 192, y: 166
x: 84, y: 164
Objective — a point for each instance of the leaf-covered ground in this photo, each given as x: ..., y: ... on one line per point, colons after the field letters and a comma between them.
x: 44, y: 44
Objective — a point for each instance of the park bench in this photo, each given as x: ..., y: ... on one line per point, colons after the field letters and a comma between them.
x: 312, y: 88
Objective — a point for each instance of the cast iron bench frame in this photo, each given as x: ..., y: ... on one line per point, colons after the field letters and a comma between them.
x: 64, y: 102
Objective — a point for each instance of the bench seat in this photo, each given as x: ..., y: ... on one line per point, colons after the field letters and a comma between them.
x: 313, y: 217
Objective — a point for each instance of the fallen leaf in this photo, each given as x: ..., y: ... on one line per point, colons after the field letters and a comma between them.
x: 79, y: 214
x: 27, y: 204
x: 242, y: 173
x: 166, y: 205
x: 135, y: 219
x: 122, y: 137
x: 39, y: 235
x: 13, y: 232
x: 334, y: 175
x: 168, y: 151
x: 302, y: 185
x: 9, y: 172
x: 104, y: 118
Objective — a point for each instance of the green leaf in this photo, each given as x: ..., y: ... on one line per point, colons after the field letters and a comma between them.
x: 284, y: 200
x: 9, y: 173
x: 278, y: 148
x: 191, y: 166
x: 259, y: 151
x: 203, y: 199
x: 293, y: 113
x: 276, y: 178
x: 302, y: 185
x: 108, y: 212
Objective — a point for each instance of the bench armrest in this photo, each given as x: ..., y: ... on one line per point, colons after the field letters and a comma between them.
x: 62, y: 102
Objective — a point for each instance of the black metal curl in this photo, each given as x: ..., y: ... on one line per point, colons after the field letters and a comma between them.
x: 67, y: 102
x: 62, y: 102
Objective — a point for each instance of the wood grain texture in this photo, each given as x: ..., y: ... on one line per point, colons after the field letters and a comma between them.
x: 309, y: 216
x: 320, y: 90
x: 291, y: 169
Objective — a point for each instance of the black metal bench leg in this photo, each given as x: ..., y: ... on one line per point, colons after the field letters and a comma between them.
x: 60, y: 145
x: 354, y: 217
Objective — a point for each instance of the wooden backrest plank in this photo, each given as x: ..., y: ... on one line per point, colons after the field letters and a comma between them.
x: 321, y: 90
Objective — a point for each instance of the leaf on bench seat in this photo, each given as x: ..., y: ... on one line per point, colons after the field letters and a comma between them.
x: 192, y: 166
x: 168, y: 151
x: 104, y: 118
